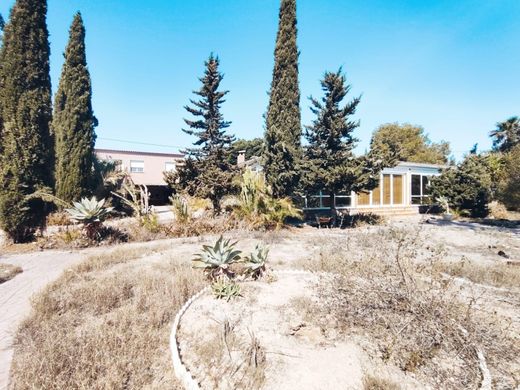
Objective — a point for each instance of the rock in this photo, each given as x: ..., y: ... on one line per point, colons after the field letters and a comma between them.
x: 503, y: 254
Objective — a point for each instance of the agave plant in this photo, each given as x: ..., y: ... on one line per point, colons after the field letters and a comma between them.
x: 216, y: 259
x: 223, y: 288
x: 91, y: 213
x: 255, y: 262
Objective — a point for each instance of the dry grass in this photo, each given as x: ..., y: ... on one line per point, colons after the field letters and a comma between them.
x: 390, y: 291
x: 104, y: 324
x: 229, y: 359
x: 371, y: 382
x: 502, y: 274
x: 59, y: 218
x: 8, y: 271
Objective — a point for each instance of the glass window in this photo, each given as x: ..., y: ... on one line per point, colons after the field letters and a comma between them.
x: 387, y: 190
x: 343, y: 201
x: 416, y: 185
x: 313, y: 202
x: 169, y: 167
x: 376, y: 196
x: 398, y: 189
x: 364, y: 199
x: 136, y: 166
x: 425, y: 188
x: 326, y: 201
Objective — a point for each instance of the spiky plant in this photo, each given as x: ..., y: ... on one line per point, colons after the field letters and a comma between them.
x: 217, y: 259
x: 180, y: 208
x: 223, y: 288
x: 91, y: 213
x: 255, y: 262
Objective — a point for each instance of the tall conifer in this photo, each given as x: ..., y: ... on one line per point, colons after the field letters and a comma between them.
x: 207, y: 172
x: 330, y: 163
x: 73, y: 121
x: 283, y: 121
x: 27, y: 144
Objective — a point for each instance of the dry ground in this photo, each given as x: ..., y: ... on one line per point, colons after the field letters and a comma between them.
x: 106, y: 323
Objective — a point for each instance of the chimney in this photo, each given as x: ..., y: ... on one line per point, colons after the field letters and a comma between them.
x: 241, y: 159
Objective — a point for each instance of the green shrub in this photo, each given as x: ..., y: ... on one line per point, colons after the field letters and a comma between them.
x: 255, y: 262
x: 257, y: 205
x: 217, y: 259
x: 509, y: 187
x: 180, y: 208
x: 467, y: 186
x: 91, y: 213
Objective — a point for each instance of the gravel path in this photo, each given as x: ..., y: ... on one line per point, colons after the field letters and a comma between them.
x: 39, y: 269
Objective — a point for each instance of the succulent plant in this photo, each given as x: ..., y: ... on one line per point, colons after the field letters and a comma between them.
x: 91, y: 213
x: 216, y: 259
x: 223, y: 288
x: 255, y: 262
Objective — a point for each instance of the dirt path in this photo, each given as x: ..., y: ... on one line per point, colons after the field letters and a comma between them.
x: 39, y: 269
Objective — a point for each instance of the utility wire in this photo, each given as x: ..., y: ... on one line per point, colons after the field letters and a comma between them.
x: 141, y: 143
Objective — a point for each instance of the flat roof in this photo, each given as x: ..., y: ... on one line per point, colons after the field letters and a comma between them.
x: 135, y: 152
x: 422, y: 165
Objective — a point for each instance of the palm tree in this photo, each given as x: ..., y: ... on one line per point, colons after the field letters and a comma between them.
x: 506, y: 135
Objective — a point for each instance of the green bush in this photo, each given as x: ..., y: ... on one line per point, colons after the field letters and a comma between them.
x: 467, y: 186
x: 258, y: 207
x: 509, y: 187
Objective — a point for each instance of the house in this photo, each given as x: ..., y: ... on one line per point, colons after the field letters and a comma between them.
x: 145, y: 168
x: 402, y: 190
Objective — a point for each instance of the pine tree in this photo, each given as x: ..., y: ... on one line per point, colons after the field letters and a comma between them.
x: 27, y: 144
x: 207, y: 172
x: 330, y: 163
x: 283, y: 121
x: 74, y: 121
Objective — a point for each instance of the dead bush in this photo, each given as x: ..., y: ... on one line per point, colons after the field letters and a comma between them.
x: 371, y: 382
x: 390, y: 290
x: 8, y: 271
x: 230, y: 359
x: 104, y: 324
x: 59, y: 218
x: 500, y: 274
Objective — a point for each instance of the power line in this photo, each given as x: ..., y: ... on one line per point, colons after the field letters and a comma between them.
x: 141, y: 143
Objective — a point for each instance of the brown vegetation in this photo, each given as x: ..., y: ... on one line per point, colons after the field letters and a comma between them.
x: 390, y: 290
x: 8, y: 271
x: 104, y: 324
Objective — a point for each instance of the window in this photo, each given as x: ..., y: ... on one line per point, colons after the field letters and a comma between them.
x: 136, y: 166
x: 420, y: 190
x: 323, y: 201
x: 169, y: 167
x: 397, y: 189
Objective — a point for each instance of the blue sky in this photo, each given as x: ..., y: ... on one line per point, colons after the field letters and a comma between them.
x: 450, y: 66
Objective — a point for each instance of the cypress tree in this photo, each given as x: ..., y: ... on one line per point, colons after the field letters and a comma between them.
x: 283, y: 121
x: 330, y: 163
x: 73, y: 121
x: 27, y: 144
x: 207, y: 172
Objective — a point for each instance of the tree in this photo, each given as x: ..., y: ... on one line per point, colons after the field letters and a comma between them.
x: 74, y: 121
x: 506, y: 135
x: 509, y: 184
x: 467, y: 186
x: 330, y: 163
x: 253, y: 148
x: 282, y: 152
x: 25, y: 100
x: 408, y: 143
x: 207, y: 172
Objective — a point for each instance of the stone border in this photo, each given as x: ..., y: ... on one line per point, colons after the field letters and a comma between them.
x: 181, y: 371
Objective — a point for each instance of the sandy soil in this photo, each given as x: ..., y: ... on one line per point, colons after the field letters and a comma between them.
x: 289, y: 249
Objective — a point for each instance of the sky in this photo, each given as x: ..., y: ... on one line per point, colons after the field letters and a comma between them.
x: 450, y: 66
